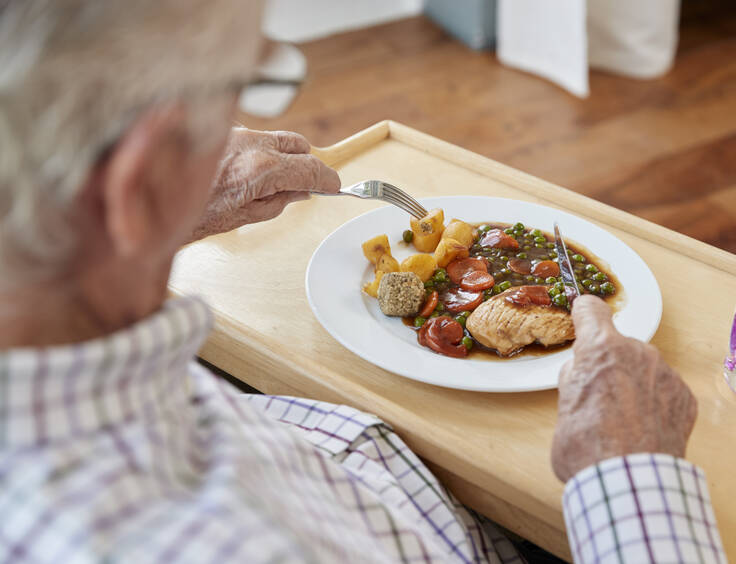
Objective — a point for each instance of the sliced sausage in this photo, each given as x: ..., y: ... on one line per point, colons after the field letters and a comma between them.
x: 499, y: 240
x: 457, y: 269
x: 457, y: 300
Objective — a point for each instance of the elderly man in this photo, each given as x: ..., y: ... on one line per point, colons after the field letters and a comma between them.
x: 115, y: 445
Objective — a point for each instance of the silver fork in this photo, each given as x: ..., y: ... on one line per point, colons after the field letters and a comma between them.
x: 377, y: 190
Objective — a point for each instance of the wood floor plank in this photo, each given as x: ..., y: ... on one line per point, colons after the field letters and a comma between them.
x: 664, y: 149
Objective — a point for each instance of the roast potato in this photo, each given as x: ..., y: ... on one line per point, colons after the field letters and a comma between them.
x: 460, y: 231
x: 372, y: 287
x: 376, y: 247
x: 387, y: 263
x: 428, y: 230
x: 448, y: 250
x: 421, y: 265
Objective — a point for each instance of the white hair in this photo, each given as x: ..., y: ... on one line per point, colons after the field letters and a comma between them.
x: 73, y: 75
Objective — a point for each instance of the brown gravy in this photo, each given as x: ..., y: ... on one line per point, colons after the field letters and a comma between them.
x: 532, y: 248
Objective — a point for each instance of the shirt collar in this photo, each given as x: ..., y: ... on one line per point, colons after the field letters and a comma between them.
x: 54, y: 393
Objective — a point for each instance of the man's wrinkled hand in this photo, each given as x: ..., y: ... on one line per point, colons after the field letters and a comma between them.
x: 262, y: 172
x: 617, y: 397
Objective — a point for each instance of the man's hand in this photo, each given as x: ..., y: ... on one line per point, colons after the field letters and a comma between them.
x: 617, y: 397
x: 262, y: 172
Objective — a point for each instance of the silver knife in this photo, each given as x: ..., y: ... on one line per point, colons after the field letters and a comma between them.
x: 566, y: 271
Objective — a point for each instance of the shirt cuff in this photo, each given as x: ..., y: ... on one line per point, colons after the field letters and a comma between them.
x: 641, y: 508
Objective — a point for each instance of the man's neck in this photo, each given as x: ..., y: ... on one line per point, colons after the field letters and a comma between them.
x: 78, y: 308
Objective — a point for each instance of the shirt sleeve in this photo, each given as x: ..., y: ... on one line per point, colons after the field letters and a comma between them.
x: 641, y: 508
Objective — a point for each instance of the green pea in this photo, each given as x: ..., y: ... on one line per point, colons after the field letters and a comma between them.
x: 538, y: 280
x: 550, y: 280
x: 408, y: 236
x: 497, y: 289
x: 419, y: 321
x: 591, y: 268
x: 550, y: 245
x: 484, y: 228
x: 586, y: 283
x: 608, y: 288
x: 435, y: 313
x: 540, y: 240
x: 539, y: 245
x: 519, y: 226
x: 599, y: 277
x: 527, y: 247
x: 466, y: 314
x: 505, y: 271
x: 467, y: 342
x: 461, y: 320
x: 553, y: 292
x: 536, y: 233
x: 440, y: 307
x: 521, y: 255
x: 440, y: 275
x: 593, y: 288
x: 543, y: 257
x: 508, y: 231
x: 429, y: 285
x: 504, y: 258
x: 529, y: 277
x: 578, y: 258
x: 476, y: 248
x: 504, y: 285
x: 552, y: 254
x: 560, y: 300
x: 560, y: 286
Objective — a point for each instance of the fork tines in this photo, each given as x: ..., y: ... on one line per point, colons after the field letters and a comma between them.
x: 400, y: 198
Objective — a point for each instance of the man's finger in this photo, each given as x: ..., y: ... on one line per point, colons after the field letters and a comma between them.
x: 591, y: 317
x: 308, y: 173
x: 272, y: 206
x: 565, y: 374
x: 290, y: 142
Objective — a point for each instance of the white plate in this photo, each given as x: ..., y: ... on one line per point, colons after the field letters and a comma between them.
x: 338, y: 270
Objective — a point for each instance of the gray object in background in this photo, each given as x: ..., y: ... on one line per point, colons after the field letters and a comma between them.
x: 471, y: 21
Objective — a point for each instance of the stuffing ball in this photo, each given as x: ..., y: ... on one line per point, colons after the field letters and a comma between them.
x: 400, y: 294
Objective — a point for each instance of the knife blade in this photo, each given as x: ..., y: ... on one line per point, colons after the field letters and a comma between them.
x: 563, y: 260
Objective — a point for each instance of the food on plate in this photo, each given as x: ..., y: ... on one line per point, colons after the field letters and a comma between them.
x: 489, y: 288
x: 400, y: 294
x: 502, y: 323
x: 422, y: 265
x: 497, y: 239
x: 378, y: 251
x: 375, y: 248
x: 462, y: 232
x: 448, y: 250
x: 372, y: 287
x: 428, y: 230
x: 387, y: 263
x: 443, y: 335
x: 457, y: 300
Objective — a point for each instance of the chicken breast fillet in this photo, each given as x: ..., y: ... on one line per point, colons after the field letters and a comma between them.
x: 505, y: 326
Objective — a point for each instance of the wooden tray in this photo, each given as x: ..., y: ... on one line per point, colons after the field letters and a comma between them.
x: 492, y: 450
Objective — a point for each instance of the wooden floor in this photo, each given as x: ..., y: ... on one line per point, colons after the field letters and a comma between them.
x: 663, y: 149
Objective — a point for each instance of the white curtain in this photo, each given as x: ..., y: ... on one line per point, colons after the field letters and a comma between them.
x: 561, y: 39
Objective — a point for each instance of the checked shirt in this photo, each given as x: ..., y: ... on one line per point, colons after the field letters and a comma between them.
x: 123, y: 449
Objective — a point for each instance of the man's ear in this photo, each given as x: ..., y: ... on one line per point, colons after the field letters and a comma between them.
x: 129, y: 179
